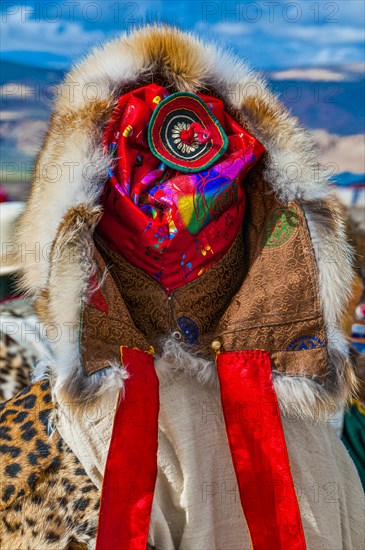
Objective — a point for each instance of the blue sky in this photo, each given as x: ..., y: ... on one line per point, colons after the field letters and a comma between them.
x: 269, y: 34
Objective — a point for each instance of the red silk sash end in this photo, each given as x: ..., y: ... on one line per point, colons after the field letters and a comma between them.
x: 131, y: 467
x: 257, y: 443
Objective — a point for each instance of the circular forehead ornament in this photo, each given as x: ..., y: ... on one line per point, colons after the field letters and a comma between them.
x: 184, y: 134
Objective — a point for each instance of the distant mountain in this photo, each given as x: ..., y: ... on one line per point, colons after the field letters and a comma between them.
x: 327, y: 100
x: 26, y: 92
x: 340, y: 153
x: 26, y: 95
x: 324, y: 98
x: 16, y: 72
x: 39, y: 59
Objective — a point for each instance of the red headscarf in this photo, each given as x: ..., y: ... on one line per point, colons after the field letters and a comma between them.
x: 174, y: 201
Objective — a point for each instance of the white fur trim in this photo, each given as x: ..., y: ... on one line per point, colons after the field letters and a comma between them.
x: 71, y: 170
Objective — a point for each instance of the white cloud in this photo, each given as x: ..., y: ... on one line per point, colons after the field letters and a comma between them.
x: 288, y: 44
x: 228, y: 29
x: 319, y: 34
x: 331, y: 56
x: 315, y: 74
x: 277, y: 43
x: 324, y: 34
x: 39, y: 35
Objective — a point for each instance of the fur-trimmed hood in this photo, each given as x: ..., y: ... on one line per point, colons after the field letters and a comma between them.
x: 55, y: 232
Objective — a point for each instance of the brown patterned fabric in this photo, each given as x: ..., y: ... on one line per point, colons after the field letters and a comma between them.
x: 262, y: 295
x: 277, y: 307
x: 193, y: 310
x: 105, y: 329
x: 278, y: 300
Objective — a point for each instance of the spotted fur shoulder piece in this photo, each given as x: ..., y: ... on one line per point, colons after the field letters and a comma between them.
x: 22, y: 345
x: 47, y: 499
x: 15, y: 367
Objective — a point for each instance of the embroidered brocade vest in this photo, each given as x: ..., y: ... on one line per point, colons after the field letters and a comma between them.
x: 194, y: 309
x: 262, y: 295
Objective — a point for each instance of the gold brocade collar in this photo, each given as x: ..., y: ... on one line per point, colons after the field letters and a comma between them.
x: 194, y: 310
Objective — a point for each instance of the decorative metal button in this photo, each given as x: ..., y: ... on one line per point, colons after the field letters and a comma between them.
x: 216, y: 346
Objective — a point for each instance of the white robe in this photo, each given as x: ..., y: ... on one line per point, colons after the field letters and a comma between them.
x: 196, y: 504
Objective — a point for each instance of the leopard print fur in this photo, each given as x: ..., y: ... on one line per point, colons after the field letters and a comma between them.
x: 15, y: 367
x: 47, y: 500
x: 21, y: 346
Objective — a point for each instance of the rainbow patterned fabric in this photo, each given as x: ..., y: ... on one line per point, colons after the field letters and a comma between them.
x: 174, y: 200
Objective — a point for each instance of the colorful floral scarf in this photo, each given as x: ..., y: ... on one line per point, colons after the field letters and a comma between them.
x: 175, y: 218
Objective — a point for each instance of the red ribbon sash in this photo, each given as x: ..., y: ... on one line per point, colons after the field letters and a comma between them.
x: 131, y: 467
x: 258, y: 450
x: 256, y: 441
